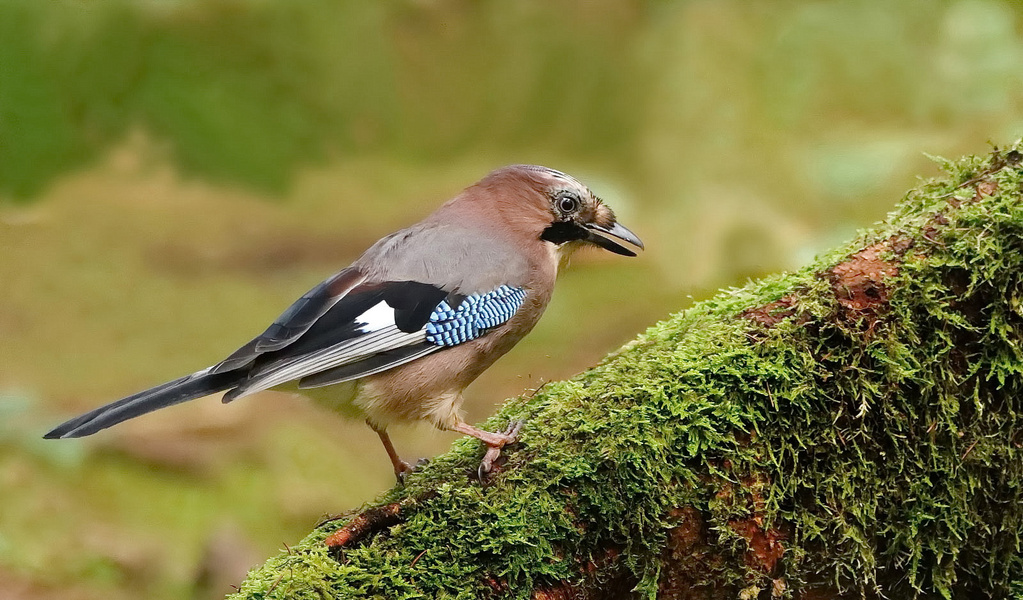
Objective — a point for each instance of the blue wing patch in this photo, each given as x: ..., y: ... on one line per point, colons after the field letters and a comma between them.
x: 473, y: 317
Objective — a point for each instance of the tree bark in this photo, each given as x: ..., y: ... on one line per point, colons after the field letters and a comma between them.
x: 852, y: 429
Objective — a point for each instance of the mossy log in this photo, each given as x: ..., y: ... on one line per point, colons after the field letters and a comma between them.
x: 852, y: 429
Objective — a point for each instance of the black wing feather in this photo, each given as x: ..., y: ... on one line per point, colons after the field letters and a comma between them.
x: 296, y: 320
x: 413, y: 303
x: 339, y: 342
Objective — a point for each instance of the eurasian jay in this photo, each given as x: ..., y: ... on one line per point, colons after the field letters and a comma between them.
x: 401, y: 332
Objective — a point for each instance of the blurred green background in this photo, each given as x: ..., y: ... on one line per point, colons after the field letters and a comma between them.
x: 173, y: 173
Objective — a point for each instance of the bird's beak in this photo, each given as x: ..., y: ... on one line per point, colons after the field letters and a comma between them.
x: 605, y: 238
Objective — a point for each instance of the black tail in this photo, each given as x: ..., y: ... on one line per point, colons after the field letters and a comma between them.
x: 181, y: 390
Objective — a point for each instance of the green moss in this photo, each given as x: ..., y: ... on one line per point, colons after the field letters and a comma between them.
x: 881, y: 442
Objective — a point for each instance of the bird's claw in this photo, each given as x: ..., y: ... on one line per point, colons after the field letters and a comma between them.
x: 494, y: 447
x: 407, y: 469
x: 401, y: 470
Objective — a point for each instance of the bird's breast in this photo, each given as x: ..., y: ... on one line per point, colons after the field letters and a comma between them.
x: 430, y: 388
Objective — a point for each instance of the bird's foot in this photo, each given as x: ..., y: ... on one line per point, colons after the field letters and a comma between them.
x: 494, y: 441
x: 403, y: 469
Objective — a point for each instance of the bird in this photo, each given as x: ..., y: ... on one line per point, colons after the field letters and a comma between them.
x: 398, y: 335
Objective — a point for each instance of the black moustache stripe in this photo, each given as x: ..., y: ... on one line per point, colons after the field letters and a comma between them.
x: 563, y: 231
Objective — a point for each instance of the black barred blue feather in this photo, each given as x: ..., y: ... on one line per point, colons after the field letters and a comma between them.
x: 475, y: 315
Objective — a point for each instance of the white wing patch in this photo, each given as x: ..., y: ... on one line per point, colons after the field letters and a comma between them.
x: 379, y: 316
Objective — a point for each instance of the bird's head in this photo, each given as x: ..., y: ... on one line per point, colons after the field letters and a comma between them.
x: 557, y: 209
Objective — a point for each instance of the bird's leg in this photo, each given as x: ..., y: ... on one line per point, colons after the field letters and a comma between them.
x: 494, y: 441
x: 401, y: 468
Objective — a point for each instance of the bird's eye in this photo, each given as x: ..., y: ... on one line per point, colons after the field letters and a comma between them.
x: 567, y: 203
